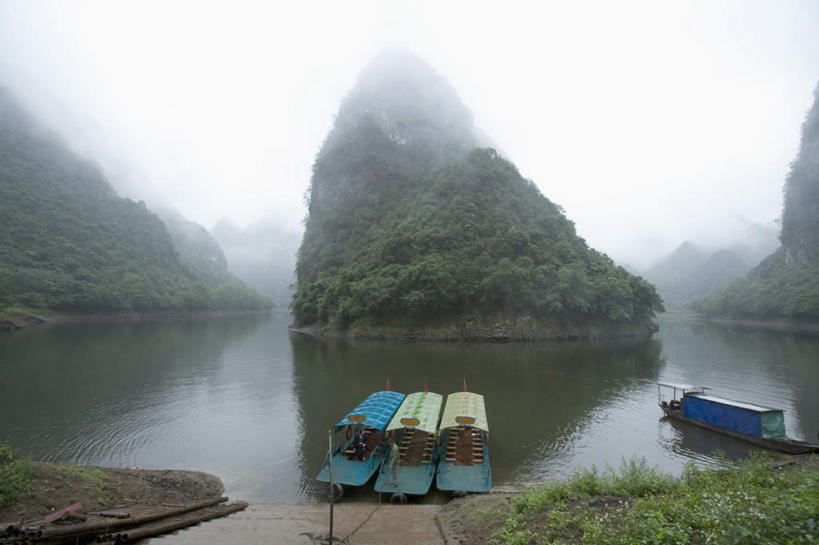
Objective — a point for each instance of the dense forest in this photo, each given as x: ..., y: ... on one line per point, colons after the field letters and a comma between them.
x: 786, y: 283
x: 411, y: 221
x: 69, y: 242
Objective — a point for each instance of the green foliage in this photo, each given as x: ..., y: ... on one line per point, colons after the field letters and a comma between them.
x: 15, y: 475
x: 748, y: 502
x: 405, y: 221
x: 70, y: 243
x: 774, y: 289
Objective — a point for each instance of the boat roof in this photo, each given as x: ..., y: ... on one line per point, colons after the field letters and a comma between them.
x: 679, y: 386
x: 739, y: 404
x: 375, y: 411
x: 420, y: 410
x: 464, y: 408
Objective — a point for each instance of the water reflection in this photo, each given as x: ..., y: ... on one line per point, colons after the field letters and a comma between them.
x: 538, y: 396
x: 245, y: 399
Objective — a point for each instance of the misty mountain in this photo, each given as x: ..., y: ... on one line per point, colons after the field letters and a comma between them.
x: 690, y: 273
x: 200, y: 255
x: 411, y: 225
x: 70, y: 242
x: 786, y: 283
x: 263, y: 255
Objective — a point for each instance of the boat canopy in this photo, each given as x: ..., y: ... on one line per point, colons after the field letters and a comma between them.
x: 375, y: 411
x: 464, y: 408
x: 736, y: 416
x: 419, y: 410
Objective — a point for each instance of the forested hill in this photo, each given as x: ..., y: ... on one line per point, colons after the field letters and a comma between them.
x: 411, y: 226
x: 690, y: 273
x: 69, y: 242
x: 786, y: 283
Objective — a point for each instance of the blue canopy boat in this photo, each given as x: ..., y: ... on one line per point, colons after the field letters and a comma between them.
x: 414, y: 429
x: 762, y: 426
x: 371, y: 416
x: 464, y: 440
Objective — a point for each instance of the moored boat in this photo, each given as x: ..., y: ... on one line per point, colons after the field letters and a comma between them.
x: 351, y: 466
x: 413, y: 428
x: 761, y: 426
x: 464, y: 443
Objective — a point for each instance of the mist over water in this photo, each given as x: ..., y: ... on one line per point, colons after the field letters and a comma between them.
x: 247, y: 400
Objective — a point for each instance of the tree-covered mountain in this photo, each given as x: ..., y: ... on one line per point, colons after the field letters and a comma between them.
x: 786, y: 283
x: 411, y: 225
x: 69, y: 242
x: 690, y: 273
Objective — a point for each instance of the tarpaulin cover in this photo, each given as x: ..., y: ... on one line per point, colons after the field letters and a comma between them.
x: 773, y: 425
x: 740, y: 419
x: 375, y: 411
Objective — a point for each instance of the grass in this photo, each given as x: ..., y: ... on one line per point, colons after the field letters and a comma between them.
x: 15, y: 475
x: 93, y: 479
x: 747, y: 502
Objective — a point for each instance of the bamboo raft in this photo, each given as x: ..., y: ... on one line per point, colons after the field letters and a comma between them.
x: 121, y: 525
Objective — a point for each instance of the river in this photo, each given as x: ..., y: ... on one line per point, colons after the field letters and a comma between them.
x: 244, y: 398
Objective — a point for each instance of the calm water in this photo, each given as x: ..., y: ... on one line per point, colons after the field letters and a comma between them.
x: 251, y: 402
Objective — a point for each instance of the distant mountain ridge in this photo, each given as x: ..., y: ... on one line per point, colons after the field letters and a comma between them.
x: 692, y: 272
x: 70, y: 243
x: 262, y: 255
x: 411, y: 226
x: 786, y: 283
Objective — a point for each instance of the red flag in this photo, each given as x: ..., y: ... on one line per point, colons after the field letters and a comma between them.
x: 464, y: 384
x: 388, y: 384
x: 426, y: 390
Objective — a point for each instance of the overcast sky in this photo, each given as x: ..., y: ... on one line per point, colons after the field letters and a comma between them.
x: 649, y: 122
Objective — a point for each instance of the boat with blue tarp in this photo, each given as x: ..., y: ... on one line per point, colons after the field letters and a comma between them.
x: 464, y: 443
x: 762, y: 426
x: 354, y: 466
x: 413, y: 428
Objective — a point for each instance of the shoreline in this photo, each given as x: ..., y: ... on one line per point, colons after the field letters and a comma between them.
x: 501, y: 331
x: 775, y: 324
x: 19, y: 320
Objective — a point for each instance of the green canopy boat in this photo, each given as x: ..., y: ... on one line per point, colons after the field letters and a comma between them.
x: 413, y: 428
x: 464, y: 445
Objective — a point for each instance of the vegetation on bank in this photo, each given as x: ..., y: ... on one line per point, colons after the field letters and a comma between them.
x: 15, y: 475
x: 785, y: 284
x: 773, y: 289
x: 738, y: 503
x: 408, y: 219
x: 70, y: 243
x: 30, y: 489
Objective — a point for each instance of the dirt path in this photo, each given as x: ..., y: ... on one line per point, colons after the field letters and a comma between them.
x: 359, y: 523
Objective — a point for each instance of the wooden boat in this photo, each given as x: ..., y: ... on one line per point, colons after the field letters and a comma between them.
x: 463, y: 440
x: 761, y: 426
x: 414, y: 428
x: 372, y: 416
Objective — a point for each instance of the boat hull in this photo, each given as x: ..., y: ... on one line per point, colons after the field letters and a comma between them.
x: 790, y: 446
x: 351, y: 472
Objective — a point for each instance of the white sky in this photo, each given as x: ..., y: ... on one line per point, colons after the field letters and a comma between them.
x: 649, y: 122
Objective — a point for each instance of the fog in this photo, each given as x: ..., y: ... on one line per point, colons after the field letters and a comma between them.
x: 650, y: 123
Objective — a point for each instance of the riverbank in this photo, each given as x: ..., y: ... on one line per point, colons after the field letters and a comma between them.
x: 774, y: 324
x: 29, y: 490
x: 15, y: 319
x: 486, y: 329
x: 751, y: 501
